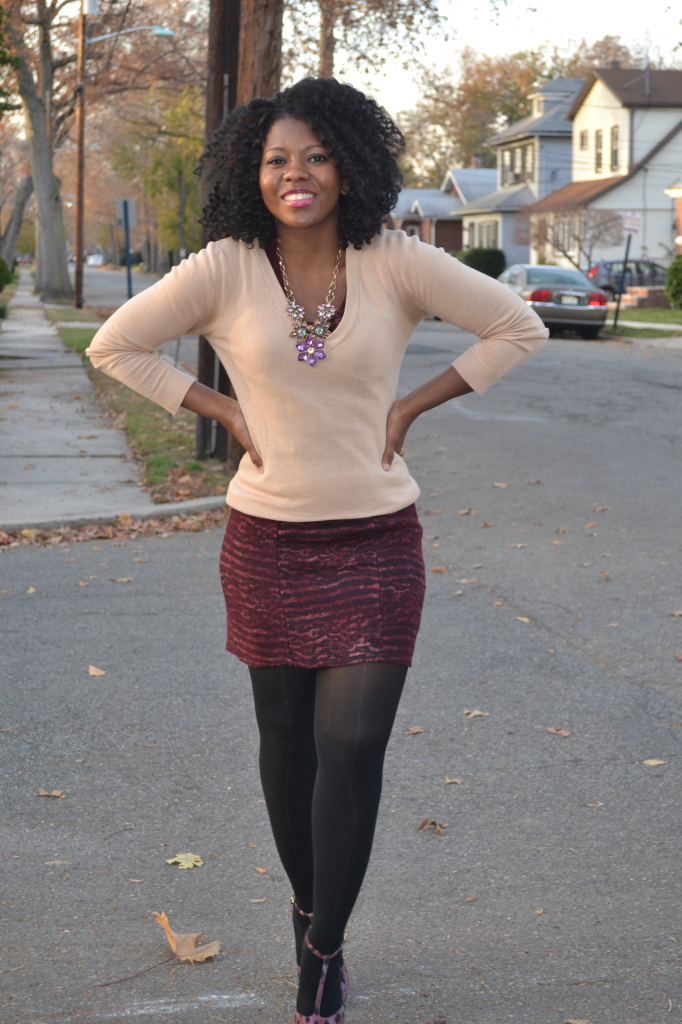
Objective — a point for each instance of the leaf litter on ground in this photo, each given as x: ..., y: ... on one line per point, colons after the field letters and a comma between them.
x: 183, y: 945
x: 186, y: 860
x: 431, y: 823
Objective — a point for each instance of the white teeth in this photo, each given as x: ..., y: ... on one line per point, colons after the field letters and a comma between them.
x: 296, y: 196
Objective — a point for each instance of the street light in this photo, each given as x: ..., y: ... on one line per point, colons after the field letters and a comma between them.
x: 90, y: 7
x: 675, y: 192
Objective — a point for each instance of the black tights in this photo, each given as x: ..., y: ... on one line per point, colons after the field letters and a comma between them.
x: 323, y: 736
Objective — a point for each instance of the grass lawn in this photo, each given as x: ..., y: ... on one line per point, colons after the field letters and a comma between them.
x: 69, y: 313
x: 656, y: 315
x: 635, y: 332
x: 164, y: 445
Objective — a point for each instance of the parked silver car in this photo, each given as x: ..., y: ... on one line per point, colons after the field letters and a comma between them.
x: 563, y: 299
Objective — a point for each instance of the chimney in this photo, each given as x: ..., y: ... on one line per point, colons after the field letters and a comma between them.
x: 615, y: 64
x: 476, y: 161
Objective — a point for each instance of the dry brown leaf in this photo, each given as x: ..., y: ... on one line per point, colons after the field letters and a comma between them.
x: 471, y: 899
x: 678, y: 657
x: 562, y: 529
x: 261, y: 871
x: 31, y: 590
x: 458, y: 782
x: 413, y: 730
x: 605, y: 575
x: 501, y: 484
x: 594, y: 803
x: 468, y: 512
x: 602, y: 508
x: 55, y: 792
x: 676, y: 615
x: 517, y: 545
x: 124, y: 519
x: 486, y: 524
x: 572, y: 1020
x: 521, y: 618
x: 261, y: 899
x: 93, y: 671
x: 123, y: 579
x: 185, y: 861
x: 185, y: 945
x: 429, y: 822
x: 588, y: 525
x: 498, y: 602
x: 53, y: 863
x: 476, y: 714
x: 438, y: 568
x: 539, y: 911
x: 558, y: 732
x: 82, y: 583
x: 557, y: 542
x: 653, y: 761
x: 533, y: 481
x: 433, y: 511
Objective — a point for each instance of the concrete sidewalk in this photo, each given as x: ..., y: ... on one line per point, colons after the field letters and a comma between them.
x: 61, y: 461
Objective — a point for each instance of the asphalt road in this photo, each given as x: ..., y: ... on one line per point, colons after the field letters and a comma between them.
x: 110, y: 287
x: 553, y: 894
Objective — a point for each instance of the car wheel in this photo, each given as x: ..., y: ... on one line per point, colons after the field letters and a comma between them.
x: 590, y: 333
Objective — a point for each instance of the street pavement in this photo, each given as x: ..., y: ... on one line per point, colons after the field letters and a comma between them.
x: 551, y: 514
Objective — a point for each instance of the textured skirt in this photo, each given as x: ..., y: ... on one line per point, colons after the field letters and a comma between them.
x: 321, y: 594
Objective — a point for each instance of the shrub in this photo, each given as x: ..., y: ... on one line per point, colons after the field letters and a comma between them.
x: 673, y: 283
x: 488, y: 261
x: 3, y: 309
x: 5, y: 274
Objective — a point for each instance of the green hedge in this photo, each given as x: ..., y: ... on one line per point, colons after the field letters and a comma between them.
x: 673, y: 283
x: 5, y: 274
x: 488, y: 261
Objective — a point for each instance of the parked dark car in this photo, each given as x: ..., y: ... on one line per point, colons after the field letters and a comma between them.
x: 564, y: 299
x: 607, y: 273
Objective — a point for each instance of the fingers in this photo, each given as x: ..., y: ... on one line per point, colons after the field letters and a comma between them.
x: 256, y: 459
x: 387, y: 457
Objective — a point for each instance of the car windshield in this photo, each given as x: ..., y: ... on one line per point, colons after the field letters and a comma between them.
x: 557, y: 275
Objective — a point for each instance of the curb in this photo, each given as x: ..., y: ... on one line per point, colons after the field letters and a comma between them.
x: 146, y: 511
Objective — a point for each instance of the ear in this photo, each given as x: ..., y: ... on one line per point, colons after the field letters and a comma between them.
x: 345, y: 187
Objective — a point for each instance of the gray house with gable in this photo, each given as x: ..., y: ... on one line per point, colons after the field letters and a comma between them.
x: 533, y: 159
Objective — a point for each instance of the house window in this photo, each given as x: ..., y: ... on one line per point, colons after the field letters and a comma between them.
x: 529, y: 162
x: 518, y: 164
x: 584, y: 140
x: 614, y: 148
x: 598, y: 151
x: 507, y: 166
x: 487, y: 234
x: 471, y: 235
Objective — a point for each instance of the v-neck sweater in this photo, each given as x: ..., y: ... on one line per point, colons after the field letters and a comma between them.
x: 320, y: 431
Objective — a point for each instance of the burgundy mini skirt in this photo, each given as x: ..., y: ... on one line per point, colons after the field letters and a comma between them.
x: 322, y: 594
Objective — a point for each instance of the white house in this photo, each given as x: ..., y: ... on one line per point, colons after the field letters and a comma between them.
x: 533, y: 158
x: 626, y: 151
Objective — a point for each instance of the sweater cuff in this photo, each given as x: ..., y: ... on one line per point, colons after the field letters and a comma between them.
x: 475, y: 371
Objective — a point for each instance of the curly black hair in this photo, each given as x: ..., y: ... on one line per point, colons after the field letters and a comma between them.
x: 357, y: 132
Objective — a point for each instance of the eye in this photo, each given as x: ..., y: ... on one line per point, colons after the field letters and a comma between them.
x: 276, y: 160
x: 319, y: 157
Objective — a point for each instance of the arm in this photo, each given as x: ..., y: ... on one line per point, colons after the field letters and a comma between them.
x: 214, y: 406
x: 405, y: 411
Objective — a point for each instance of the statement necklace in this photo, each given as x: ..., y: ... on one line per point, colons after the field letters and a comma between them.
x: 310, y: 338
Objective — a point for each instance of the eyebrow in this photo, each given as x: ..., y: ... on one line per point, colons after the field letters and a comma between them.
x: 313, y: 145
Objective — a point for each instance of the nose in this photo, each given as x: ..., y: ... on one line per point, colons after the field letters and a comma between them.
x: 296, y: 170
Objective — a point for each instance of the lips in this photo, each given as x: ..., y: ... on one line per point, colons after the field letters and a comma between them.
x: 298, y: 197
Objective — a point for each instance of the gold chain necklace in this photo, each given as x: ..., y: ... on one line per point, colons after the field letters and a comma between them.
x: 310, y: 338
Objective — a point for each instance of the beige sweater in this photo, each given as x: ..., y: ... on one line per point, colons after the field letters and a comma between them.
x: 320, y: 430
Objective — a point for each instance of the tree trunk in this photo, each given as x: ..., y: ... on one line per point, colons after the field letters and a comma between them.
x: 52, y: 275
x: 260, y: 49
x: 327, y: 42
x: 182, y: 202
x: 8, y: 242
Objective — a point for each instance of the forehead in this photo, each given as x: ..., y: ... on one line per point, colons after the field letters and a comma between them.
x: 289, y: 133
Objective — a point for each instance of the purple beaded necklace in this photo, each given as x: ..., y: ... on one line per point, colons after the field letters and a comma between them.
x: 310, y: 338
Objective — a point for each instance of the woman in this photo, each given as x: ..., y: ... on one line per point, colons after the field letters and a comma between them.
x: 321, y: 565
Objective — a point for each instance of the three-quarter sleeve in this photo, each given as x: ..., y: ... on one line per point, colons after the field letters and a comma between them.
x: 434, y: 283
x: 188, y: 300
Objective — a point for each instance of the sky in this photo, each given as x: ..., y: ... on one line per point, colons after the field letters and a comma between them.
x: 527, y: 24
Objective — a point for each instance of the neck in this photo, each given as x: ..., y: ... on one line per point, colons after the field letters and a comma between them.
x: 316, y: 243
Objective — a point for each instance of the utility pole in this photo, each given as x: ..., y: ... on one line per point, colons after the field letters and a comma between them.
x: 212, y: 440
x: 80, y: 156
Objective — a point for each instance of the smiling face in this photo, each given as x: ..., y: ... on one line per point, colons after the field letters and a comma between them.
x: 299, y: 181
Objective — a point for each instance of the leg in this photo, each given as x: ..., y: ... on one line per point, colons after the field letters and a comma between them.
x: 285, y: 705
x: 355, y: 708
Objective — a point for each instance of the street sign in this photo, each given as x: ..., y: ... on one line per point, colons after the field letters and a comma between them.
x: 120, y: 213
x: 91, y: 7
x: 632, y: 221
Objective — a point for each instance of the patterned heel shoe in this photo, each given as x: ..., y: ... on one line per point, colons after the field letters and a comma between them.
x: 316, y: 1017
x: 302, y: 921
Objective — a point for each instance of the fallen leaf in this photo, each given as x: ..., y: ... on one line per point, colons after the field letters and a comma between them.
x: 479, y: 565
x: 671, y: 938
x: 92, y: 671
x: 562, y: 529
x: 55, y: 792
x: 261, y: 871
x: 438, y: 568
x: 429, y: 822
x: 602, y: 508
x: 123, y: 579
x: 433, y: 511
x: 584, y: 565
x: 498, y: 602
x: 476, y: 714
x: 261, y: 899
x: 466, y: 579
x: 676, y: 615
x: 521, y: 618
x: 29, y: 533
x: 517, y: 545
x: 471, y: 899
x: 572, y: 1020
x: 486, y: 524
x: 413, y: 730
x: 558, y: 732
x: 539, y: 911
x: 31, y: 590
x: 135, y: 879
x: 125, y: 519
x: 605, y: 575
x: 82, y: 583
x: 186, y: 860
x: 533, y: 481
x: 557, y: 542
x: 678, y: 657
x: 588, y: 525
x: 185, y: 945
x: 594, y: 803
x: 79, y: 760
x: 653, y: 761
x: 53, y: 863
x: 458, y: 782
x: 468, y: 512
x: 501, y: 484
x: 140, y: 559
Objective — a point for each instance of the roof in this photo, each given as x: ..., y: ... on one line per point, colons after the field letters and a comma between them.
x: 551, y: 122
x: 580, y: 193
x: 560, y: 85
x: 502, y: 200
x: 407, y: 197
x: 434, y: 204
x: 634, y: 87
x: 469, y: 183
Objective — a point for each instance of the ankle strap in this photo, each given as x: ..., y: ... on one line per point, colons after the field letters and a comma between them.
x: 303, y: 913
x: 323, y: 956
